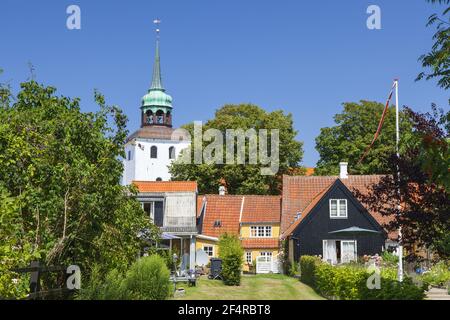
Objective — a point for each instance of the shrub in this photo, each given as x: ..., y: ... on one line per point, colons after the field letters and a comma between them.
x: 167, y: 255
x: 98, y: 287
x: 231, y: 253
x: 324, y: 279
x: 438, y: 275
x: 148, y: 279
x: 392, y: 289
x: 308, y: 266
x: 349, y: 282
x: 389, y: 258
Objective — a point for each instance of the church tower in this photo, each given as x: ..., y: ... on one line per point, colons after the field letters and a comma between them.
x: 156, y: 104
x: 152, y: 148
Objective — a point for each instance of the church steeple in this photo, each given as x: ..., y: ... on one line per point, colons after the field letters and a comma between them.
x: 156, y: 79
x: 156, y: 104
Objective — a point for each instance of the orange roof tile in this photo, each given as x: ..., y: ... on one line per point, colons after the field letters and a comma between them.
x: 300, y: 191
x: 262, y: 243
x: 305, y: 212
x: 261, y: 209
x: 166, y: 186
x: 227, y: 210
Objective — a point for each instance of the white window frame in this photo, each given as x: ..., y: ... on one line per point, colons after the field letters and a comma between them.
x: 268, y: 255
x: 206, y: 251
x: 339, y: 215
x: 325, y: 243
x: 260, y: 231
x: 248, y: 254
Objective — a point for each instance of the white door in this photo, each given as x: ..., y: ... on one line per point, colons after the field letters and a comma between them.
x: 348, y: 251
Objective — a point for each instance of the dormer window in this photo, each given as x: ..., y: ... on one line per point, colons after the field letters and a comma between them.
x: 217, y: 224
x: 338, y: 208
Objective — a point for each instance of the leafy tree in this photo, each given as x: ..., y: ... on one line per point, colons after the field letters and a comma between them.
x: 438, y: 60
x: 243, y: 179
x: 60, y: 173
x: 353, y: 133
x: 425, y: 201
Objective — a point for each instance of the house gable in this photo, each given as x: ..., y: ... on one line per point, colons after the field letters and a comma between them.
x: 319, y: 214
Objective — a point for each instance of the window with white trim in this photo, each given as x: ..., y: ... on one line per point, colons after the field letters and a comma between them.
x: 209, y: 250
x: 261, y: 231
x: 338, y: 208
x: 266, y: 254
x: 248, y: 257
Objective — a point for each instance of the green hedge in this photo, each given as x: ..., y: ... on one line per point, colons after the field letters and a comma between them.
x: 231, y: 253
x: 308, y: 265
x: 349, y: 282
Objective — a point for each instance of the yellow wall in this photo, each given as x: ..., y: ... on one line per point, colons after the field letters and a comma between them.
x: 245, y: 233
x: 256, y: 253
x: 199, y: 243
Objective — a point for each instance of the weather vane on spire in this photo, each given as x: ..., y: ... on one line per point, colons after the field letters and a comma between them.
x: 157, y: 22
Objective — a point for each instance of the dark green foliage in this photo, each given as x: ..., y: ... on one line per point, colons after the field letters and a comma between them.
x: 354, y: 131
x: 100, y: 287
x: 437, y: 61
x: 231, y: 253
x: 243, y: 179
x: 60, y: 173
x: 167, y: 255
x: 308, y: 265
x: 392, y: 290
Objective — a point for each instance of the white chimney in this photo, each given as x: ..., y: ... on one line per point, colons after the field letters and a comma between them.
x: 222, y: 190
x: 343, y: 170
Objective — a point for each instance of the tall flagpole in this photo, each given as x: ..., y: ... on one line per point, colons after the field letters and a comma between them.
x: 397, y: 130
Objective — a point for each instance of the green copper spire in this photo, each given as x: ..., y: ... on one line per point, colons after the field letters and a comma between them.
x: 156, y: 104
x: 156, y: 80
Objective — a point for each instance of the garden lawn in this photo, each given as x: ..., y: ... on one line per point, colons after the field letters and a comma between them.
x: 253, y: 287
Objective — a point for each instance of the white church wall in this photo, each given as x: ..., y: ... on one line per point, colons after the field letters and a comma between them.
x: 143, y: 168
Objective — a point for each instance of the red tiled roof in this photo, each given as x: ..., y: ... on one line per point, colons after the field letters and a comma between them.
x: 306, y: 211
x: 300, y: 191
x: 273, y: 243
x: 166, y: 186
x: 261, y: 209
x: 227, y: 210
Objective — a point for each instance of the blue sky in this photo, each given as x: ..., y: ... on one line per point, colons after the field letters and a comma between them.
x: 305, y: 57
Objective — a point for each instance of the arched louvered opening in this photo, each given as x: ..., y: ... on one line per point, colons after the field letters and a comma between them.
x: 154, y: 152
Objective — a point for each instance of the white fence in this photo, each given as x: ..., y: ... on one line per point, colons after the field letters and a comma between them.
x: 267, y: 265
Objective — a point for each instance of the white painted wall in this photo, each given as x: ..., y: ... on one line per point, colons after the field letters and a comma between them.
x: 141, y: 167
